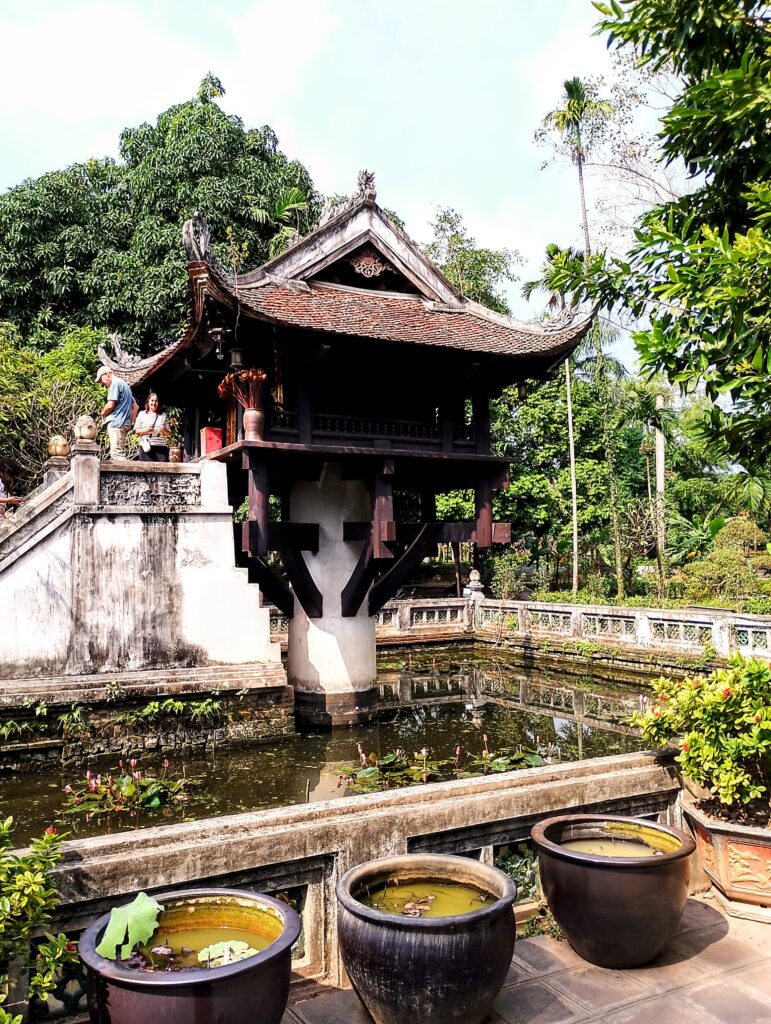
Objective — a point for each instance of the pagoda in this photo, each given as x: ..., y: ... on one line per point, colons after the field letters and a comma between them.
x: 374, y: 397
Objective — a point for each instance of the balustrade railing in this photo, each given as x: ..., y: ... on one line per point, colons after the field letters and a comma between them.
x: 699, y: 631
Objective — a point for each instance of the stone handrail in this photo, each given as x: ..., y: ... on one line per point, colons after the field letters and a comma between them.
x: 689, y: 631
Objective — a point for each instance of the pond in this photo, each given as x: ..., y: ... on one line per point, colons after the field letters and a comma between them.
x: 432, y: 703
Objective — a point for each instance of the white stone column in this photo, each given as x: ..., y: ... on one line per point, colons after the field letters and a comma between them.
x: 331, y: 660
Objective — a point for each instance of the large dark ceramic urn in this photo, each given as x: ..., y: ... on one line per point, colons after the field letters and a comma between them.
x: 614, y: 911
x: 251, y: 991
x: 436, y: 970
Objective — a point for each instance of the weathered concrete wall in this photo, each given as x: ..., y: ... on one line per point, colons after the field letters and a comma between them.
x: 134, y: 571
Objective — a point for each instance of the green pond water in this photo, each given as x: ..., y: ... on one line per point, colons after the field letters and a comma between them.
x: 424, y: 899
x: 179, y: 949
x: 609, y: 847
x: 436, y: 700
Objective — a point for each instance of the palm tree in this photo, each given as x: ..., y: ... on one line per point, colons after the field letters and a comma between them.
x: 644, y: 405
x: 555, y: 299
x: 284, y: 218
x: 577, y: 120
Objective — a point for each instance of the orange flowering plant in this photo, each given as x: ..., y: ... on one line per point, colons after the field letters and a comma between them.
x: 722, y: 723
x: 244, y: 385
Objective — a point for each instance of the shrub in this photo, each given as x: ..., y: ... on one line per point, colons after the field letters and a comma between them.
x: 742, y: 533
x: 724, y: 726
x: 507, y: 571
x: 724, y: 573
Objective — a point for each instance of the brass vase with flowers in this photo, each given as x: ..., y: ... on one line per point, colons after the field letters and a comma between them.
x: 245, y: 386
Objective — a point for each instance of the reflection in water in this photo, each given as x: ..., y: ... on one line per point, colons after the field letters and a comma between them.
x: 439, y: 700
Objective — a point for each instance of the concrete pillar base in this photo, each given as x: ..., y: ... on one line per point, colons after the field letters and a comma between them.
x: 323, y: 710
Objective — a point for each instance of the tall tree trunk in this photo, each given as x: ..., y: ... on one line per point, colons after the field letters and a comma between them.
x: 661, y: 536
x: 573, y: 482
x: 602, y: 387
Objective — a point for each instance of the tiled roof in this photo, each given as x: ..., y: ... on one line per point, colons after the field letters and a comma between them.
x: 389, y: 317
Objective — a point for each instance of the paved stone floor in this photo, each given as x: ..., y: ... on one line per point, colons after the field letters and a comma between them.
x: 717, y: 970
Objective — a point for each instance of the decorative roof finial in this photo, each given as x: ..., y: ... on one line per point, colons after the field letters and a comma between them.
x: 196, y: 237
x: 366, y: 186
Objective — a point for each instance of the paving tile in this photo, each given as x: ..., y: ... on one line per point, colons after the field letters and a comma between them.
x: 715, y: 950
x: 336, y: 1007
x: 599, y: 989
x: 758, y: 977
x: 653, y: 1011
x: 518, y: 972
x: 754, y: 932
x: 671, y: 969
x: 699, y: 915
x: 535, y: 1002
x: 544, y: 955
x: 725, y: 1002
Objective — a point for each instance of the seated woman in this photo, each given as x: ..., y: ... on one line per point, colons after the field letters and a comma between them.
x: 150, y: 426
x: 8, y: 473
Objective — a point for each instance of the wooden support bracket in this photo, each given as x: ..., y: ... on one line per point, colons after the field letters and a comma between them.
x: 357, y: 586
x: 303, y: 585
x: 273, y: 588
x: 385, y: 588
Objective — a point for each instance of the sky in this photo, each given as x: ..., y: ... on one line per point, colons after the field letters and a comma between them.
x: 439, y: 97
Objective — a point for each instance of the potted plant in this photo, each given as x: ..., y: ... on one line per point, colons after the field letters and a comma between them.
x: 27, y: 899
x: 191, y: 957
x: 616, y: 885
x: 174, y: 437
x: 246, y: 387
x: 722, y: 724
x: 409, y: 958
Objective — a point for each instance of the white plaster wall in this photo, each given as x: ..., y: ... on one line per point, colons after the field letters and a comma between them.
x: 332, y: 654
x: 36, y: 608
x: 220, y: 610
x: 133, y: 591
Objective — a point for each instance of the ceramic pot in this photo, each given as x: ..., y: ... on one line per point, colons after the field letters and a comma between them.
x: 436, y: 970
x: 737, y: 858
x: 254, y: 424
x: 175, y: 453
x: 255, y: 989
x: 615, y: 911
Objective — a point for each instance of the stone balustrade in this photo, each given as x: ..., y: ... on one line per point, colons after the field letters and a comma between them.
x: 689, y: 631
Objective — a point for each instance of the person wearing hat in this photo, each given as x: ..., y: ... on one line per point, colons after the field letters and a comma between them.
x: 119, y: 413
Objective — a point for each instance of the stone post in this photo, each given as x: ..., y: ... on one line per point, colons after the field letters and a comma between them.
x: 85, y: 472
x: 54, y: 468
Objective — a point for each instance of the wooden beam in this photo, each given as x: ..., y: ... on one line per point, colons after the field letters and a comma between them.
x: 301, y: 536
x: 483, y: 502
x: 258, y: 495
x: 480, y: 405
x: 447, y: 532
x: 357, y: 586
x: 274, y: 589
x: 385, y: 588
x: 383, y: 524
x: 303, y: 585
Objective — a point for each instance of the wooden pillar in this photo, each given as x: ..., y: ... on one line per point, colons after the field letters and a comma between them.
x: 304, y: 409
x: 484, y: 513
x: 481, y: 412
x: 258, y: 517
x: 428, y: 505
x: 383, y: 525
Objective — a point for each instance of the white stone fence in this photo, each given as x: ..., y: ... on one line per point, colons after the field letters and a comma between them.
x: 692, y: 631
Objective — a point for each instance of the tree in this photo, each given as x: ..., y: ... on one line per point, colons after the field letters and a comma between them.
x: 700, y: 269
x: 577, y: 121
x: 283, y: 218
x: 477, y: 273
x: 543, y: 283
x: 100, y: 243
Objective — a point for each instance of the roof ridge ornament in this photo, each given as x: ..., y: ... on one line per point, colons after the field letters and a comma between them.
x: 196, y: 237
x: 365, y: 188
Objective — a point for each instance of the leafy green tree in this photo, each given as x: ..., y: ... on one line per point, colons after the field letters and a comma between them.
x: 477, y: 273
x: 99, y: 244
x: 700, y: 269
x: 577, y: 122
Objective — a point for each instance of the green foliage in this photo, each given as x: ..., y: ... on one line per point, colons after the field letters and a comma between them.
x: 129, y: 926
x: 221, y: 953
x: 478, y: 274
x: 100, y: 243
x: 724, y: 573
x: 741, y: 534
x: 76, y: 721
x: 724, y: 723
x: 506, y: 580
x: 27, y: 900
x: 700, y: 268
x: 520, y: 863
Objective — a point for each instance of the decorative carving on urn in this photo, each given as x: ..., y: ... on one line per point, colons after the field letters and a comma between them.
x: 58, y: 447
x: 84, y: 429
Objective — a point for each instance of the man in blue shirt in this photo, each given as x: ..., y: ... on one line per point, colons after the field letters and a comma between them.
x: 119, y: 412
